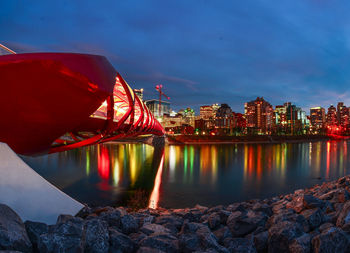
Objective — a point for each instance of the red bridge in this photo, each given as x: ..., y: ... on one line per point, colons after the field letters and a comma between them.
x: 51, y: 102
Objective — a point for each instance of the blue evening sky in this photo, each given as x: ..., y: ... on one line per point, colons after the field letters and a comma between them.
x: 202, y: 51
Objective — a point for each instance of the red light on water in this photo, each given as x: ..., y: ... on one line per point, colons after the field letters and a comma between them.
x: 103, y: 163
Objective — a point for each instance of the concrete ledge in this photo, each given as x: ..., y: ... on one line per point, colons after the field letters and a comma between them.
x: 29, y: 194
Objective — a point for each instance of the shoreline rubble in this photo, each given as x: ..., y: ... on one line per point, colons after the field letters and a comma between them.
x: 309, y: 220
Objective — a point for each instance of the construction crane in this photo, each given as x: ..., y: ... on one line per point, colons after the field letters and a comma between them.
x: 161, y: 93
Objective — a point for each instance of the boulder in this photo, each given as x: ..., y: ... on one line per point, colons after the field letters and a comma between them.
x: 214, y: 220
x: 120, y: 243
x: 65, y: 236
x: 311, y: 202
x: 222, y: 233
x: 240, y: 245
x: 13, y: 235
x: 128, y: 224
x: 282, y: 234
x: 34, y: 231
x: 344, y: 215
x: 189, y: 243
x: 112, y: 217
x: 260, y: 241
x: 161, y: 241
x: 149, y: 229
x: 314, y: 217
x: 96, y: 236
x: 331, y: 240
x: 242, y: 224
x: 301, y: 244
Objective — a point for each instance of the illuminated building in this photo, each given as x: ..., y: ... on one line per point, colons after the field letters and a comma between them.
x: 331, y: 119
x: 189, y: 116
x: 225, y: 120
x: 153, y: 106
x: 139, y: 93
x: 259, y: 115
x: 342, y: 115
x: 317, y: 118
x: 206, y: 112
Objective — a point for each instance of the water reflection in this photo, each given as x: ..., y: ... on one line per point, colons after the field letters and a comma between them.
x: 180, y: 176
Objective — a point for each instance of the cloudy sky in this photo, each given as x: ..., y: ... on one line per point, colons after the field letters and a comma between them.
x: 202, y: 51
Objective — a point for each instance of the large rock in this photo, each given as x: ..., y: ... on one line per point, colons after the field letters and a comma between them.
x: 120, y: 243
x: 331, y: 240
x: 208, y: 240
x: 222, y: 233
x: 314, y: 217
x: 214, y: 220
x: 34, y: 231
x: 161, y: 241
x: 128, y: 224
x: 311, y: 202
x: 344, y: 215
x: 96, y: 236
x: 189, y: 243
x: 13, y: 235
x: 149, y: 229
x: 240, y: 245
x: 301, y: 244
x: 112, y: 217
x: 241, y: 224
x: 282, y: 234
x: 65, y: 236
x: 260, y: 241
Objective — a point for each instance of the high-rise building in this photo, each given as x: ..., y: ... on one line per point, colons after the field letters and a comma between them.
x: 332, y: 117
x: 259, y: 115
x: 342, y: 115
x: 206, y: 112
x: 139, y: 93
x: 225, y: 118
x: 317, y: 118
x: 153, y: 106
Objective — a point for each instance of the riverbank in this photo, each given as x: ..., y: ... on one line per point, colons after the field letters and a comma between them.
x: 207, y: 139
x: 309, y: 220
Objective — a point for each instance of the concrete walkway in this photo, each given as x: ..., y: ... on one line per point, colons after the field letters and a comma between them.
x: 29, y: 194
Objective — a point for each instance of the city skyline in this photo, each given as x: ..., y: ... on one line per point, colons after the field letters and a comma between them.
x: 232, y: 52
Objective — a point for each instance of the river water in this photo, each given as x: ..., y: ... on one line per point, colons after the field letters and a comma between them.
x: 182, y: 176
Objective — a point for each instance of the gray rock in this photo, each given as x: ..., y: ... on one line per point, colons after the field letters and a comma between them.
x: 331, y: 240
x: 128, y: 224
x: 314, y: 217
x: 260, y: 241
x: 325, y: 226
x: 112, y: 217
x: 311, y: 202
x: 344, y: 215
x: 96, y: 236
x: 64, y: 237
x: 214, y: 220
x: 236, y: 207
x: 208, y: 240
x: 222, y: 233
x: 189, y: 243
x: 161, y: 241
x: 260, y: 207
x: 224, y: 216
x: 301, y: 244
x: 137, y: 237
x: 169, y: 219
x: 34, y: 231
x: 120, y: 243
x: 240, y: 245
x: 149, y: 250
x: 149, y: 229
x: 243, y: 224
x: 288, y: 215
x: 13, y: 235
x: 282, y: 234
x: 190, y: 227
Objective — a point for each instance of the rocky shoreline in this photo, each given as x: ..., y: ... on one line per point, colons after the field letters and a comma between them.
x: 310, y: 220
